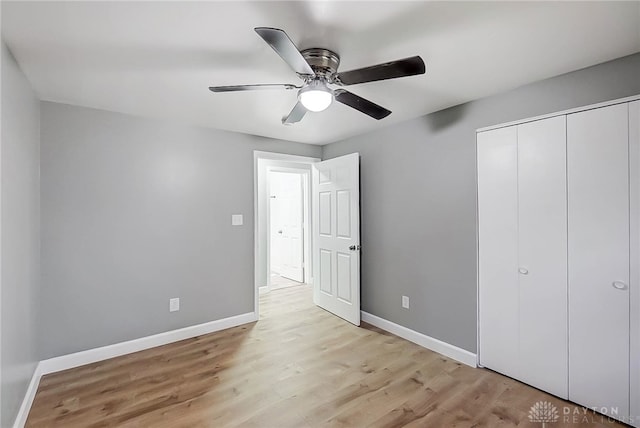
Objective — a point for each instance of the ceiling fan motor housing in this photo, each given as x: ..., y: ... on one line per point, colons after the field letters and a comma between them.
x: 323, y: 61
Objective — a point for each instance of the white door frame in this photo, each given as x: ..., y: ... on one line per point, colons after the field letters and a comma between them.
x: 306, y: 221
x: 260, y: 209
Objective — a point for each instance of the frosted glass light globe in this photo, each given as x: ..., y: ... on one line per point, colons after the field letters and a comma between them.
x: 316, y: 96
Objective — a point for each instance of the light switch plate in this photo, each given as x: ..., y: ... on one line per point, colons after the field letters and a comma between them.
x: 174, y: 304
x: 405, y: 302
x: 236, y: 220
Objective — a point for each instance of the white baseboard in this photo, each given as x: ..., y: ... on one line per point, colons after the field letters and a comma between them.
x: 446, y: 349
x: 21, y: 418
x: 89, y: 356
x: 103, y: 353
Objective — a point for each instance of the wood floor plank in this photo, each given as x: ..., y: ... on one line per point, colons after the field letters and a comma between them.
x: 299, y: 366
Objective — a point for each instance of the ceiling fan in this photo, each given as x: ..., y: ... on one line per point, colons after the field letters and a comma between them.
x: 318, y: 68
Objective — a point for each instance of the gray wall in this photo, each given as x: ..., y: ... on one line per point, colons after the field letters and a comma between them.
x: 418, y: 197
x: 20, y: 226
x: 136, y: 211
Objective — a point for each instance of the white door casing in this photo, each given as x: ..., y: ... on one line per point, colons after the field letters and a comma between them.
x: 336, y: 231
x: 598, y: 210
x: 262, y: 161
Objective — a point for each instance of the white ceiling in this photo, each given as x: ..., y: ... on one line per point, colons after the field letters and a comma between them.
x: 157, y: 58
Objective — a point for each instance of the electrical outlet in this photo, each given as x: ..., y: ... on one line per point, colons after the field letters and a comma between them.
x: 174, y: 304
x: 405, y: 302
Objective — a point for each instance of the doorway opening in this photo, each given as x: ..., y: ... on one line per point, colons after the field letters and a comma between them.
x: 282, y: 209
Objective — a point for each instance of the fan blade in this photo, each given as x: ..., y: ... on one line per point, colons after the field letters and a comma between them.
x: 282, y: 44
x: 296, y: 114
x: 360, y: 104
x: 389, y: 70
x: 237, y: 88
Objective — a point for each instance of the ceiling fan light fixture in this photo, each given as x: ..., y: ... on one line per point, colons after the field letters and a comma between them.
x: 318, y: 67
x: 316, y: 96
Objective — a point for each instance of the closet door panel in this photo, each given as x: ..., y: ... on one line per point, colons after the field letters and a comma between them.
x: 634, y: 286
x: 598, y: 213
x: 542, y: 226
x: 497, y: 258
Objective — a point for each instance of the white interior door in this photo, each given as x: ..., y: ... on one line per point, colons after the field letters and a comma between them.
x: 276, y: 245
x: 542, y: 254
x: 336, y: 248
x: 287, y: 225
x: 598, y: 208
x: 291, y: 204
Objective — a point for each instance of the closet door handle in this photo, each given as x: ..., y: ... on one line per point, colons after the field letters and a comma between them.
x: 619, y: 285
x: 523, y: 271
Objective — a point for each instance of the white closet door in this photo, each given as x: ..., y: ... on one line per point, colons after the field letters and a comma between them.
x: 497, y: 258
x: 598, y: 208
x: 634, y: 289
x: 542, y: 239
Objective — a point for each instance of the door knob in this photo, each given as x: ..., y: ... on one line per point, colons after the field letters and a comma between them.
x: 619, y: 285
x: 523, y: 271
x: 280, y: 232
x: 355, y: 247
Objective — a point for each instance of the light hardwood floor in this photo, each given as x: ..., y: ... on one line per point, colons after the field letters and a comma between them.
x: 278, y: 281
x: 299, y: 366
